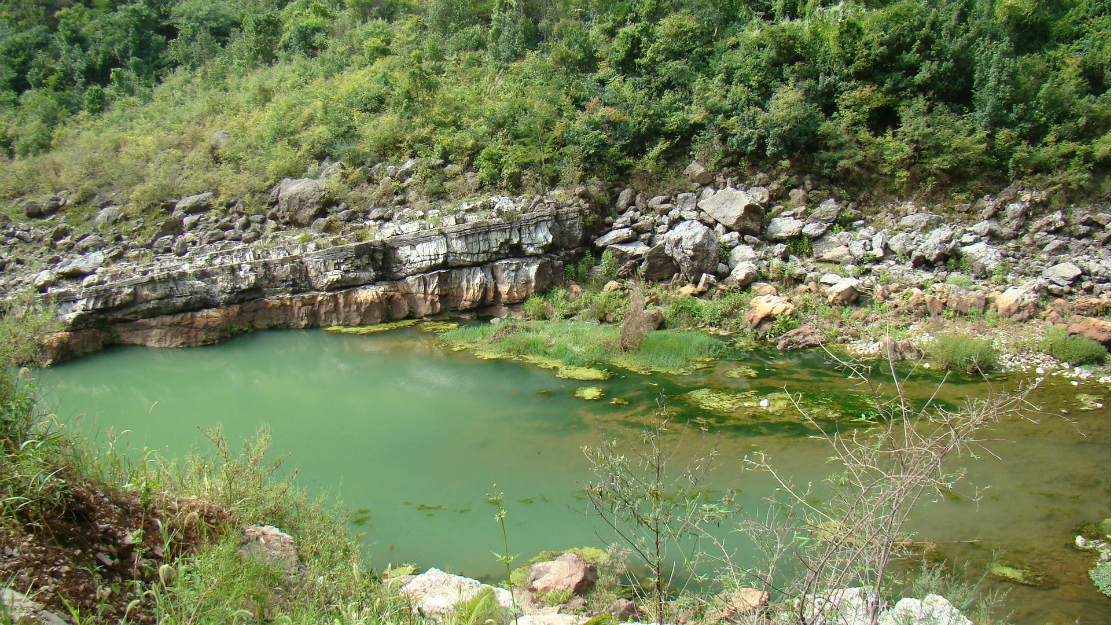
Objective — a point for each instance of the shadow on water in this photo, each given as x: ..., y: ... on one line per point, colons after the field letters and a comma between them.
x: 414, y: 437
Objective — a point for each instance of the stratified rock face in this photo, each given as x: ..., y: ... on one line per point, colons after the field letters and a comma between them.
x: 474, y: 266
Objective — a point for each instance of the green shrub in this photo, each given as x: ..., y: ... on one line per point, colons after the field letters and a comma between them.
x: 535, y: 307
x: 1076, y: 350
x: 962, y: 352
x: 1101, y: 575
x: 683, y: 311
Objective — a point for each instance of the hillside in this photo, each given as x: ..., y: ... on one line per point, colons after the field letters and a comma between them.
x: 146, y: 101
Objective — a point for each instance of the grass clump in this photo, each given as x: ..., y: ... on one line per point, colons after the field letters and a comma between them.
x: 1076, y: 350
x: 571, y: 344
x: 962, y: 352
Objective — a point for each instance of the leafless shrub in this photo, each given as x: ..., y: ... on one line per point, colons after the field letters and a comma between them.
x: 849, y: 532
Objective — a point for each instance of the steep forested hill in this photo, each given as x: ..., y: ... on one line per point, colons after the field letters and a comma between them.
x: 153, y: 99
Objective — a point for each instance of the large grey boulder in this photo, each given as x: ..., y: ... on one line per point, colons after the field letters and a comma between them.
x: 920, y: 222
x: 694, y: 248
x: 625, y: 252
x: 982, y: 258
x: 1062, y: 274
x: 938, y: 245
x: 698, y: 174
x: 621, y: 235
x: 301, y: 201
x: 825, y: 213
x: 740, y: 254
x: 82, y: 265
x: 107, y: 216
x: 784, y: 228
x: 737, y: 210
x: 742, y: 275
x: 190, y: 204
x: 658, y: 264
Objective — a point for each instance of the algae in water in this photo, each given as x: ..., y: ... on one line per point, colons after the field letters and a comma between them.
x: 373, y: 329
x: 590, y: 393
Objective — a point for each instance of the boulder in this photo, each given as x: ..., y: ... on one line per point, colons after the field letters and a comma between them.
x: 434, y: 593
x: 625, y: 252
x: 766, y: 308
x: 938, y: 245
x: 844, y: 291
x: 82, y: 265
x: 16, y: 608
x: 815, y: 230
x: 965, y: 301
x: 698, y: 174
x: 826, y: 213
x: 1017, y: 304
x: 742, y: 275
x: 625, y: 199
x: 658, y: 265
x: 800, y: 338
x: 902, y: 243
x: 982, y: 258
x: 1100, y: 330
x: 271, y: 547
x: 741, y: 605
x: 741, y: 254
x: 621, y: 235
x: 783, y: 228
x: 107, y: 216
x: 920, y: 222
x: 737, y: 210
x: 846, y: 606
x: 301, y: 201
x: 1062, y: 274
x: 44, y: 279
x: 693, y: 247
x: 797, y: 198
x: 194, y: 203
x: 932, y: 610
x: 567, y: 572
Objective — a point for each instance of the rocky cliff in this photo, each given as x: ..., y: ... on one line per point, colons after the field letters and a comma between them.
x: 207, y: 296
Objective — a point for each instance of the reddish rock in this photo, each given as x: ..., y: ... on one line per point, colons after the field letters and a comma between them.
x: 1100, y: 330
x: 1017, y: 304
x: 567, y: 572
x: 738, y: 605
x: 766, y: 308
x: 799, y: 338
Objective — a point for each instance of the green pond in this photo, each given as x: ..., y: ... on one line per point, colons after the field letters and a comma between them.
x: 414, y: 438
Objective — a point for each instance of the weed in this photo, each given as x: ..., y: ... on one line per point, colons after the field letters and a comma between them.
x: 1076, y: 350
x: 963, y: 352
x: 651, y: 506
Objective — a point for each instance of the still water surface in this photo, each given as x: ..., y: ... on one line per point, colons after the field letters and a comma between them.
x: 413, y: 438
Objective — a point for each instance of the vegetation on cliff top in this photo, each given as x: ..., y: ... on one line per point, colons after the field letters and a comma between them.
x: 155, y: 99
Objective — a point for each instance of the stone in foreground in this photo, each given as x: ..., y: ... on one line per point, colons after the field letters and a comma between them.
x: 434, y: 593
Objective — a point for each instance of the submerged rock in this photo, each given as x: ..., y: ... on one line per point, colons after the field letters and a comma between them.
x: 590, y: 393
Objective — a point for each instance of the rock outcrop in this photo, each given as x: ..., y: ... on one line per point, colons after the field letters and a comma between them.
x: 199, y: 300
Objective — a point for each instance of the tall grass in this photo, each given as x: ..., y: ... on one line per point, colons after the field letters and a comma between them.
x: 962, y: 352
x: 582, y: 344
x: 1076, y: 350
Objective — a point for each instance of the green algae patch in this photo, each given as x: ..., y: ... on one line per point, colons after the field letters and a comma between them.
x: 1089, y: 402
x: 436, y: 327
x: 618, y: 401
x: 589, y: 393
x: 579, y: 350
x: 738, y: 372
x: 1022, y: 574
x: 718, y: 402
x: 373, y: 329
